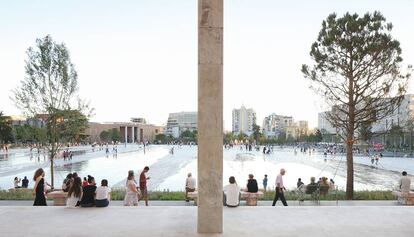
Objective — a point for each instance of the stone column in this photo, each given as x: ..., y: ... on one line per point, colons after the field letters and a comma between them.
x: 126, y: 135
x: 210, y: 116
x: 133, y: 135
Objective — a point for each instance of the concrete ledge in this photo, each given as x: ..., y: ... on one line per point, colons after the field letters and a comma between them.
x: 182, y: 221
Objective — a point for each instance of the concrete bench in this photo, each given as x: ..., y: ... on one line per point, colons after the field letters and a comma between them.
x: 404, y: 198
x: 251, y: 198
x: 59, y: 198
x: 193, y: 196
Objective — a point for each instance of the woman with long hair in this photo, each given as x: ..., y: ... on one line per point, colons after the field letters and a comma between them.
x: 132, y: 193
x: 74, y: 193
x: 39, y: 188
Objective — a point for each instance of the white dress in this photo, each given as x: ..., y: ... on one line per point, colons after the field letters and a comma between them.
x: 131, y: 198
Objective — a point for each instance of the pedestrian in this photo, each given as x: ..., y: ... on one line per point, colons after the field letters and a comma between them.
x: 190, y: 184
x: 132, y: 194
x: 143, y: 184
x: 280, y: 189
x: 39, y: 188
x: 265, y: 182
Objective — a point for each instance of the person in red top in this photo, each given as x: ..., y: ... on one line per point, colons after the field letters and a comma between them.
x: 85, y: 182
x: 143, y: 185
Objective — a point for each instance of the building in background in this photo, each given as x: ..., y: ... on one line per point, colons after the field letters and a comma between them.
x: 138, y: 120
x: 275, y: 125
x: 180, y: 122
x: 243, y: 120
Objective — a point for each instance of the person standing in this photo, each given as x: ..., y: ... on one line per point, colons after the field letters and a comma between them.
x: 131, y: 196
x: 39, y: 188
x: 265, y: 182
x: 143, y: 184
x: 190, y: 184
x: 280, y: 189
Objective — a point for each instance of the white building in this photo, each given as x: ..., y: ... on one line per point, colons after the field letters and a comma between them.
x: 274, y: 125
x: 399, y: 117
x: 243, y: 120
x: 324, y: 125
x: 180, y: 122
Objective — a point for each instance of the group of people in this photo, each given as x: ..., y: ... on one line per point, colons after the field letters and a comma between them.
x: 17, y: 181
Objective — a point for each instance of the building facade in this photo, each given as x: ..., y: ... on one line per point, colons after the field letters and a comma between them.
x: 243, y: 120
x: 180, y: 122
x: 274, y: 125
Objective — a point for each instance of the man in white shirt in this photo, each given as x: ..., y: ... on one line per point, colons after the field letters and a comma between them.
x: 280, y: 189
x: 405, y: 183
x: 190, y: 184
x: 232, y: 193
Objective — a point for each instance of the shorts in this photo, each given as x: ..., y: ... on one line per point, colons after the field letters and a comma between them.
x: 144, y: 193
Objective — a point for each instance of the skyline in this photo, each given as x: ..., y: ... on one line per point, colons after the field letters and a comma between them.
x: 139, y: 58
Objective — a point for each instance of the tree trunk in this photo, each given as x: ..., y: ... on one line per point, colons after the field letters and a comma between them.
x: 350, y: 168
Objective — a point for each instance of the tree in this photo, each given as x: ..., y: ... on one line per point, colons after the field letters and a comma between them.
x: 229, y: 137
x: 241, y: 137
x: 49, y: 87
x: 365, y: 132
x: 395, y: 134
x: 318, y: 135
x: 256, y: 132
x: 358, y: 72
x: 6, y: 131
x: 162, y: 138
x: 115, y: 135
x: 105, y: 136
x: 72, y: 125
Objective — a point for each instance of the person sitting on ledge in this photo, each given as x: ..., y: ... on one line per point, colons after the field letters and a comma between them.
x: 190, y: 184
x: 405, y: 183
x: 252, y: 184
x: 312, y: 187
x: 324, y: 186
x: 103, y: 194
x: 88, y: 197
x: 25, y: 182
x: 74, y: 193
x: 231, y: 193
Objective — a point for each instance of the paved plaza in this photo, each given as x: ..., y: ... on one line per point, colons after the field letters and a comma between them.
x: 182, y: 221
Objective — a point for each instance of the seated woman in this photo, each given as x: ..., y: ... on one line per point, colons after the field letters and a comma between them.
x: 74, y: 193
x: 232, y: 193
x: 324, y: 186
x: 103, y: 194
x: 312, y: 187
x: 252, y: 185
x: 88, y: 197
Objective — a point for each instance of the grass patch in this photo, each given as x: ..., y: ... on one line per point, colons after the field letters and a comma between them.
x: 119, y: 194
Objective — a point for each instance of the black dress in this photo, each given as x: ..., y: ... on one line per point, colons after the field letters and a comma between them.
x: 40, y: 199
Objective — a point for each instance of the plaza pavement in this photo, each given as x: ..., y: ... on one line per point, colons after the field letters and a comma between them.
x: 355, y: 218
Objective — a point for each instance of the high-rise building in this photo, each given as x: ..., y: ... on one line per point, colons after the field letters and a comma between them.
x: 274, y: 125
x: 180, y: 122
x: 243, y: 120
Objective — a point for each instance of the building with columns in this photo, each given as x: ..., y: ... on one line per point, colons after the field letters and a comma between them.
x: 130, y: 132
x: 243, y: 120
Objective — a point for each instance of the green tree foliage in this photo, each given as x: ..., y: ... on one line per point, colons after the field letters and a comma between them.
x: 6, y: 134
x: 395, y: 136
x: 256, y: 133
x: 189, y: 136
x: 72, y: 125
x: 110, y: 135
x: 49, y: 87
x: 365, y: 132
x: 357, y: 70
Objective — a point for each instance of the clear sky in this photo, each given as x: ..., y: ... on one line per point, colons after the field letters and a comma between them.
x: 138, y: 58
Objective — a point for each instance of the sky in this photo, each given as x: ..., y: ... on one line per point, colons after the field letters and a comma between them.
x: 138, y: 58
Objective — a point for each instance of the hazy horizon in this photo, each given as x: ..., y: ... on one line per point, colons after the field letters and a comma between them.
x: 139, y: 58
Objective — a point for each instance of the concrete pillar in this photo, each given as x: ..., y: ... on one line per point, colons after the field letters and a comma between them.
x: 210, y: 116
x: 133, y: 134
x: 126, y: 135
